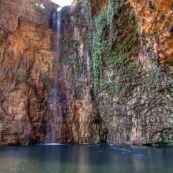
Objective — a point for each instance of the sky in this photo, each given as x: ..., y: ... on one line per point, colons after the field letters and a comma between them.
x: 63, y: 2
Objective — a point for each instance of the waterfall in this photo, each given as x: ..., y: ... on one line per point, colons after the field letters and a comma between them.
x: 53, y: 93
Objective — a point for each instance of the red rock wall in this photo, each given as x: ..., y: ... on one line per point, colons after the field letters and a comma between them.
x: 25, y: 60
x: 27, y: 80
x: 156, y: 26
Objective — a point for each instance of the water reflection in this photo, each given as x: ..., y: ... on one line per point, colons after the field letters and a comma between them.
x: 85, y: 159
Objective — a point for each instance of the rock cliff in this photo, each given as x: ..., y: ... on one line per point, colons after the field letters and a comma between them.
x: 25, y: 56
x: 113, y: 74
x: 28, y: 70
x: 131, y: 68
x: 156, y: 25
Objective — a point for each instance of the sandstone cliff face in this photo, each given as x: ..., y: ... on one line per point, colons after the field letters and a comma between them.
x: 111, y: 82
x: 156, y: 26
x: 28, y: 77
x: 26, y: 57
x: 132, y: 91
x: 77, y: 120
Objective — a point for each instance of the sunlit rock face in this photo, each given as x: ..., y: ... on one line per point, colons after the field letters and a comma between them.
x: 26, y: 57
x: 156, y: 26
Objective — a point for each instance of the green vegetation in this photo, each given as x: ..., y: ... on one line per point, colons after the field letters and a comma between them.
x: 113, y: 43
x: 122, y: 86
x: 115, y: 70
x: 112, y: 49
x: 69, y: 50
x: 8, y: 52
x: 22, y: 76
x: 39, y: 8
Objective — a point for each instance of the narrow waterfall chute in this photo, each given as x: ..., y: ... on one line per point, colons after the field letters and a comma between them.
x: 53, y: 93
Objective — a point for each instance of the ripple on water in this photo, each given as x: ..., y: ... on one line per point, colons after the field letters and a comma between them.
x: 53, y: 144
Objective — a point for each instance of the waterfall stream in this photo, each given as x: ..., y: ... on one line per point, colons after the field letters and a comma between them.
x: 54, y: 92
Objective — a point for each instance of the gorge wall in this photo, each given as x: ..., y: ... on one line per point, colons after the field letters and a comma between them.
x: 114, y: 75
x: 25, y: 56
x: 28, y: 68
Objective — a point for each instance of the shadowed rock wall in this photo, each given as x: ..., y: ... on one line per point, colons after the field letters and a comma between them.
x: 129, y: 72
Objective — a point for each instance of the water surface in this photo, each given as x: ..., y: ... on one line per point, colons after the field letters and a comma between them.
x: 85, y: 159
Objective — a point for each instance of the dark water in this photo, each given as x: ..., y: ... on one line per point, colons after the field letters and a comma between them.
x: 85, y: 159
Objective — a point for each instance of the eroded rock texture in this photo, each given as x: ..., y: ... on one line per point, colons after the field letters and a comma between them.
x: 77, y: 119
x: 110, y: 80
x: 156, y: 26
x: 29, y: 78
x: 25, y: 59
x: 133, y: 92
